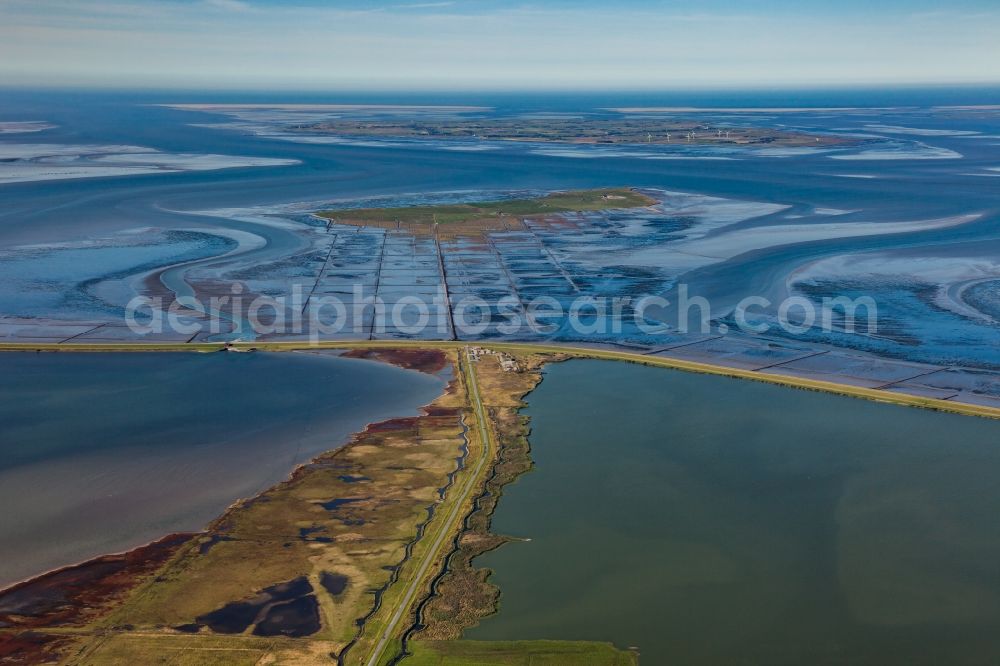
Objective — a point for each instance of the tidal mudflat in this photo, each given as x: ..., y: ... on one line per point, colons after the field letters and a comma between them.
x: 102, y: 452
x: 896, y: 205
x: 32, y: 162
x: 707, y: 520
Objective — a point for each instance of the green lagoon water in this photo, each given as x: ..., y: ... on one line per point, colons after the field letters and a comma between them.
x: 708, y: 520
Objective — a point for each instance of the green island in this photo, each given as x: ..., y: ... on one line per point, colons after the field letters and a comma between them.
x: 655, y: 129
x: 491, y: 214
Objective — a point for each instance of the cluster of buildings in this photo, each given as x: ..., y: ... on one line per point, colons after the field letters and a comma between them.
x: 507, y: 362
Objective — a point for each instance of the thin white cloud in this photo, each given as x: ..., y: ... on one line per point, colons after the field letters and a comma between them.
x: 216, y: 42
x: 424, y: 5
x: 228, y: 5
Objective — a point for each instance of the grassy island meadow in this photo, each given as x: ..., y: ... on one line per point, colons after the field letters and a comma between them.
x: 555, y: 203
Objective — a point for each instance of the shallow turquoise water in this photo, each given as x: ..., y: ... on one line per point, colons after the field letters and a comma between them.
x: 716, y: 521
x: 103, y: 452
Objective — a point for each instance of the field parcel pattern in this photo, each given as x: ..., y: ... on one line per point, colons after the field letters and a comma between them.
x: 344, y: 562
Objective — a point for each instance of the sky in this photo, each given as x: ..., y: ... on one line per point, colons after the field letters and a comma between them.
x: 495, y: 45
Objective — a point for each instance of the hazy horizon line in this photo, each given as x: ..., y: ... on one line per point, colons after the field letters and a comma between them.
x: 762, y: 87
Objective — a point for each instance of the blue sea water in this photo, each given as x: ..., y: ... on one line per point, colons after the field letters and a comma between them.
x: 932, y: 162
x: 69, y: 248
x: 100, y: 453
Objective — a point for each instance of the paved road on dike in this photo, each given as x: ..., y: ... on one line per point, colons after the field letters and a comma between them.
x: 453, y: 517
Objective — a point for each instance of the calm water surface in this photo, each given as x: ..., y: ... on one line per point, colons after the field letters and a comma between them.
x: 716, y: 521
x: 103, y: 452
